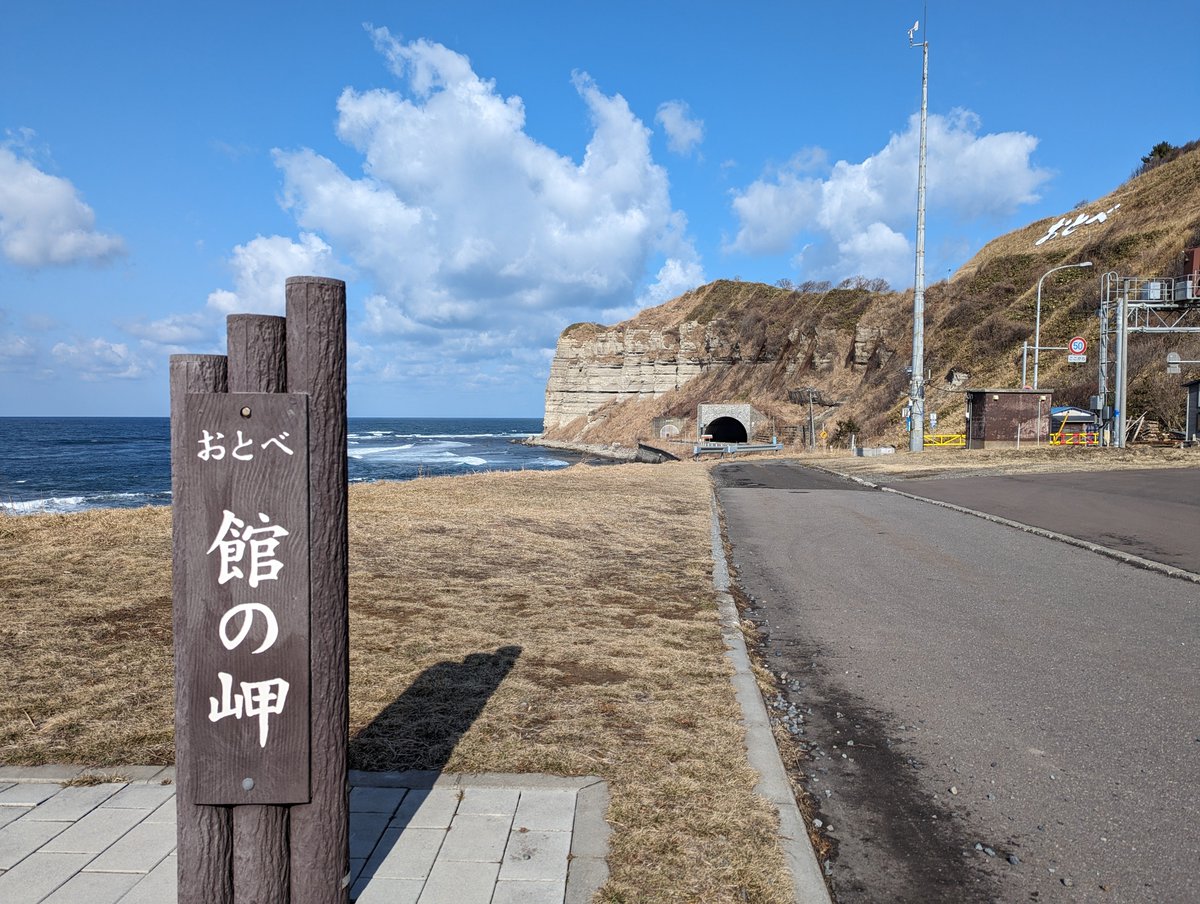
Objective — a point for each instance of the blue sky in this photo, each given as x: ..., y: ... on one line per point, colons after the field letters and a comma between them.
x: 483, y: 174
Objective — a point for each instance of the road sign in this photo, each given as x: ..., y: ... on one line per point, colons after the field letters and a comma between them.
x: 1077, y: 359
x: 1077, y: 346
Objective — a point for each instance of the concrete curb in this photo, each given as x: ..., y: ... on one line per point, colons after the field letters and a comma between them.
x: 1126, y: 557
x: 807, y: 882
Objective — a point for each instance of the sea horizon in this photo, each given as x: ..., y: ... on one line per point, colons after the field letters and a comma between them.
x: 75, y: 463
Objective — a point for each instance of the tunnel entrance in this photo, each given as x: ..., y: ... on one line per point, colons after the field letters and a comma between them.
x: 727, y: 430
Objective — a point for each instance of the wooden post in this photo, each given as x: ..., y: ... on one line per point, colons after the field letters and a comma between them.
x: 204, y: 834
x: 316, y: 355
x: 258, y: 363
x: 274, y: 825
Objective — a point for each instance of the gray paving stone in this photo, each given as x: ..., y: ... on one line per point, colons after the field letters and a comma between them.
x: 27, y: 794
x: 365, y: 831
x: 165, y: 813
x: 94, y: 888
x: 508, y: 892
x: 536, y: 856
x: 127, y: 773
x: 405, y: 854
x: 389, y: 891
x: 95, y: 832
x: 488, y: 801
x: 376, y: 800
x: 547, y: 811
x: 20, y: 839
x: 12, y: 814
x: 141, y: 797
x: 160, y: 886
x: 480, y: 838
x: 138, y: 851
x: 431, y: 809
x: 38, y: 875
x: 4, y: 784
x: 56, y: 773
x: 75, y: 803
x: 457, y: 882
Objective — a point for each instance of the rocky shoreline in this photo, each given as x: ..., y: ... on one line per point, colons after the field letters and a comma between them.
x: 611, y: 451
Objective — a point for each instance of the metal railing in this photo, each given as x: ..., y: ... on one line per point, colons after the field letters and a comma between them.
x: 1079, y: 438
x: 955, y: 440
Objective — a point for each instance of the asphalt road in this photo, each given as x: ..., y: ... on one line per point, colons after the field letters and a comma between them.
x: 1154, y: 514
x: 1000, y: 689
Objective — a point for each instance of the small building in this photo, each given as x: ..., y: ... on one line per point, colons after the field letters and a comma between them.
x: 1191, y: 424
x: 1071, y: 426
x: 1007, y: 418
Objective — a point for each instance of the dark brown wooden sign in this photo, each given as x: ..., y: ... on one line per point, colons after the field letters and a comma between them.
x: 244, y: 497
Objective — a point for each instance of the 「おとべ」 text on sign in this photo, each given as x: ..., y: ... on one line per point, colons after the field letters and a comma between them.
x: 244, y: 493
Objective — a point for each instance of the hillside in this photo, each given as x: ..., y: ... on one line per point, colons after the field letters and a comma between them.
x: 749, y: 342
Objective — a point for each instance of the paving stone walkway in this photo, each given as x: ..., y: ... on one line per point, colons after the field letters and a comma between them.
x: 415, y: 838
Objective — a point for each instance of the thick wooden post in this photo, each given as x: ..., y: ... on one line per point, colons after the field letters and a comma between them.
x: 204, y: 833
x: 316, y: 358
x: 258, y: 363
x: 274, y: 825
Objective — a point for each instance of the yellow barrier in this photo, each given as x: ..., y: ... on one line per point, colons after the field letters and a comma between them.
x: 946, y: 439
x: 1083, y: 438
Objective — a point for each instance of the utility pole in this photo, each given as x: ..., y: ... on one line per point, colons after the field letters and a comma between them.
x: 916, y: 391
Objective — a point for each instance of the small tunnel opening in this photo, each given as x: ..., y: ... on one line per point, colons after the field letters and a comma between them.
x: 727, y: 430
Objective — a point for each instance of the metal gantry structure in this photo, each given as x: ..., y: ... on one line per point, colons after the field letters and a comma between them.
x: 1137, y: 304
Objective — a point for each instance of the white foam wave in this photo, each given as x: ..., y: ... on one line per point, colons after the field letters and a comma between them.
x: 548, y: 463
x: 56, y: 504
x: 65, y: 505
x: 382, y: 451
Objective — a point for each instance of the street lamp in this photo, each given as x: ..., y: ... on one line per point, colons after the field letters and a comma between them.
x: 1037, y: 329
x: 916, y: 388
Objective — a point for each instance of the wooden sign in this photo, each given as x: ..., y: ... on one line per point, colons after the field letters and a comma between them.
x: 244, y: 497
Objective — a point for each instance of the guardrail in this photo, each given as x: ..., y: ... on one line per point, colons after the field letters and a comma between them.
x: 734, y: 448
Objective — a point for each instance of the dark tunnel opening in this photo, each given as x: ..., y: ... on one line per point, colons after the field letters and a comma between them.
x: 727, y: 430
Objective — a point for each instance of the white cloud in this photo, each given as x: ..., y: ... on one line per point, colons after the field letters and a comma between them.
x: 43, y: 220
x: 683, y: 132
x: 98, y: 360
x: 859, y: 213
x: 476, y: 242
x: 261, y: 267
x: 178, y: 330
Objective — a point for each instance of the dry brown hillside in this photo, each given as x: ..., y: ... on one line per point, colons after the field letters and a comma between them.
x: 752, y: 342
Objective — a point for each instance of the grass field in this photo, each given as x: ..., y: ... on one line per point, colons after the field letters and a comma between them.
x: 523, y: 622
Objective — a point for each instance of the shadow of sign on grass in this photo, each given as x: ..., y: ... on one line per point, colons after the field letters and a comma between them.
x: 420, y: 729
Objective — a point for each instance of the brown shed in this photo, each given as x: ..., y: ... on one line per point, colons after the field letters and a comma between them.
x: 1006, y: 418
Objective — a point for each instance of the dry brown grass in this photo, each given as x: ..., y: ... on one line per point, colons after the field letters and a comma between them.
x: 524, y: 622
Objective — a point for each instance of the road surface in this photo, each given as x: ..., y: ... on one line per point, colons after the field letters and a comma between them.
x: 990, y: 715
x: 1154, y: 514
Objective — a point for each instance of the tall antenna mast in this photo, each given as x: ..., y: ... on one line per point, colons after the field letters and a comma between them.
x: 916, y: 390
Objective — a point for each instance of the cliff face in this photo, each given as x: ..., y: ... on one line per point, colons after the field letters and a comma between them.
x: 593, y: 367
x: 721, y: 342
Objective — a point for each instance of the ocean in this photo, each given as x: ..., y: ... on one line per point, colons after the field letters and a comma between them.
x: 73, y: 464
